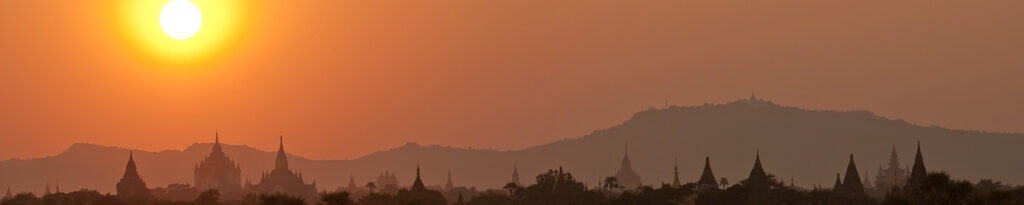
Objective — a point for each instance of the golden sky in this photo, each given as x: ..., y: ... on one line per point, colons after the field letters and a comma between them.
x: 345, y: 78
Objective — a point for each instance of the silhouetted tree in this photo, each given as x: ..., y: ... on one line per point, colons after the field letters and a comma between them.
x: 557, y: 187
x: 490, y: 199
x: 935, y: 188
x: 511, y: 187
x: 611, y: 183
x: 379, y: 199
x: 208, y: 197
x: 371, y: 186
x: 280, y: 199
x: 337, y: 198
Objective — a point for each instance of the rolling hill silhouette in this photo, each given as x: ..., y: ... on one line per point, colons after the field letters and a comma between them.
x: 807, y: 146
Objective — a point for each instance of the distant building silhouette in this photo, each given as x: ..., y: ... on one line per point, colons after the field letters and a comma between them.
x: 515, y: 175
x: 852, y: 183
x: 918, y: 173
x: 46, y: 191
x: 707, y: 177
x: 627, y: 178
x: 757, y: 173
x: 8, y: 195
x: 218, y: 171
x: 838, y: 187
x: 131, y: 185
x: 449, y: 185
x: 892, y: 176
x: 417, y: 185
x: 675, y: 174
x: 386, y: 181
x: 352, y: 184
x: 284, y: 180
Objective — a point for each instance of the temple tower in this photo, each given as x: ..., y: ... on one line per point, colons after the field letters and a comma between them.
x: 626, y: 177
x: 852, y: 181
x: 218, y: 171
x: 918, y: 172
x: 131, y: 185
x: 707, y: 177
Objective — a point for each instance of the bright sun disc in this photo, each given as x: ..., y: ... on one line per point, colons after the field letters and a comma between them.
x: 180, y: 19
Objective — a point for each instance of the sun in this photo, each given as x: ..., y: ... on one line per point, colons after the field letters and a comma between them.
x: 180, y: 19
x: 182, y: 33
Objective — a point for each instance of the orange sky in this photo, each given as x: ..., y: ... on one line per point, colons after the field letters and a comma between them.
x: 346, y: 78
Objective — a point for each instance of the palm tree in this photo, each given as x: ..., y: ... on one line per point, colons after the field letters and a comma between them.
x: 611, y: 183
x: 371, y: 186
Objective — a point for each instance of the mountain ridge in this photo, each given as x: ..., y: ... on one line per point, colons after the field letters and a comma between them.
x: 729, y: 133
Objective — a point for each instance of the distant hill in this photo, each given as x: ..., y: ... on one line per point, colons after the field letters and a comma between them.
x: 807, y: 145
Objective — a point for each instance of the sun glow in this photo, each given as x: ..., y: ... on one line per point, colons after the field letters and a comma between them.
x: 168, y: 31
x: 180, y: 19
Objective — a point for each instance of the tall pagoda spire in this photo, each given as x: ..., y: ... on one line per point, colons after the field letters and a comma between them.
x: 351, y: 183
x: 449, y: 185
x: 675, y: 181
x: 216, y: 145
x: 758, y: 171
x: 8, y: 195
x: 894, y: 159
x: 627, y: 178
x: 515, y: 175
x: 131, y: 184
x: 707, y: 178
x: 130, y: 171
x: 853, y: 183
x: 282, y: 158
x: 47, y: 190
x: 418, y: 184
x: 839, y: 184
x: 918, y: 172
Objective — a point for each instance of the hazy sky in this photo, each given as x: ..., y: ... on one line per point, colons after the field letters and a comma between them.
x: 345, y: 78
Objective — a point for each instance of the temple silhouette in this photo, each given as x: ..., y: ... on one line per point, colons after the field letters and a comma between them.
x: 283, y: 180
x: 626, y: 177
x: 131, y: 185
x: 218, y: 172
x: 892, y: 176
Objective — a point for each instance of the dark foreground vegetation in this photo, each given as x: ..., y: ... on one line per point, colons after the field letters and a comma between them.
x: 559, y: 187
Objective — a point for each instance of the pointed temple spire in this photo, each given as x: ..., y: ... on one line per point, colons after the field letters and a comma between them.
x: 675, y: 181
x: 131, y: 185
x: 216, y: 144
x: 515, y: 175
x: 418, y: 184
x: 627, y: 177
x: 47, y: 190
x: 626, y: 163
x: 853, y: 183
x: 707, y: 178
x: 839, y: 185
x: 758, y: 171
x: 918, y: 172
x: 449, y: 185
x: 351, y: 183
x: 8, y: 195
x: 130, y: 171
x: 282, y: 158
